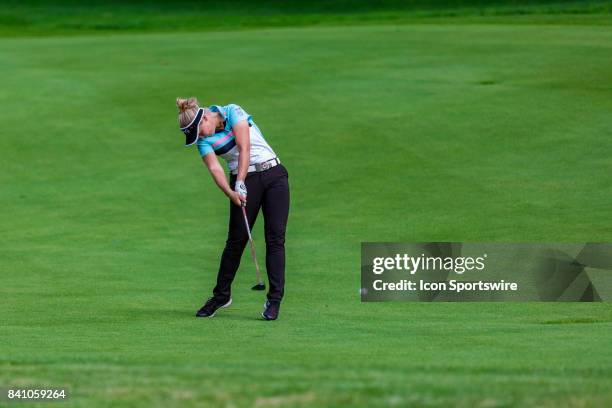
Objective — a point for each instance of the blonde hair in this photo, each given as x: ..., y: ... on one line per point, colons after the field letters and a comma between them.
x: 188, y: 108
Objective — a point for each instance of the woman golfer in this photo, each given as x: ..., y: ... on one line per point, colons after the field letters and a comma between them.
x: 256, y: 173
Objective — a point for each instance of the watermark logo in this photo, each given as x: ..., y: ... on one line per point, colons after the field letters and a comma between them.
x: 454, y: 271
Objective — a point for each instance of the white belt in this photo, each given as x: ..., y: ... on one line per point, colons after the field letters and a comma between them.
x: 268, y: 164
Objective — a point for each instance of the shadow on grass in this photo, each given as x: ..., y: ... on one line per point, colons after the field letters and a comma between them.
x: 185, y: 314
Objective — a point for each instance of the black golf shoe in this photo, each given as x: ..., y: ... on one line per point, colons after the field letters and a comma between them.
x: 271, y: 308
x: 211, y: 306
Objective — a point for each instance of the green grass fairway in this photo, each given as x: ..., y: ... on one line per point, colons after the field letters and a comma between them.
x: 112, y: 230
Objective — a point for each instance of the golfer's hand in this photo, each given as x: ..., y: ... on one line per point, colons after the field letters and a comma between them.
x: 235, y: 197
x: 241, y: 189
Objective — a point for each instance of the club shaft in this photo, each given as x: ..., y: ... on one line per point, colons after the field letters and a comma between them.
x: 252, y: 246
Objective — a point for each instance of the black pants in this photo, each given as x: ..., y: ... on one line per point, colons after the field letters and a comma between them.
x: 268, y: 189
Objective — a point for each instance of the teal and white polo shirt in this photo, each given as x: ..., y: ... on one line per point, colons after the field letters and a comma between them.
x: 223, y: 143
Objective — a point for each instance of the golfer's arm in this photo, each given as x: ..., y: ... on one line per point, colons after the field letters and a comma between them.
x: 217, y: 172
x: 243, y: 142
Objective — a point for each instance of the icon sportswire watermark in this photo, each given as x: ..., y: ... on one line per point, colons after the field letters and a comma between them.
x: 455, y: 271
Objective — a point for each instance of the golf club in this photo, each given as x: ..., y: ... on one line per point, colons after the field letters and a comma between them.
x: 259, y: 285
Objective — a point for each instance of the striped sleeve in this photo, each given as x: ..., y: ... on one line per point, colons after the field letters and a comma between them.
x: 204, y: 148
